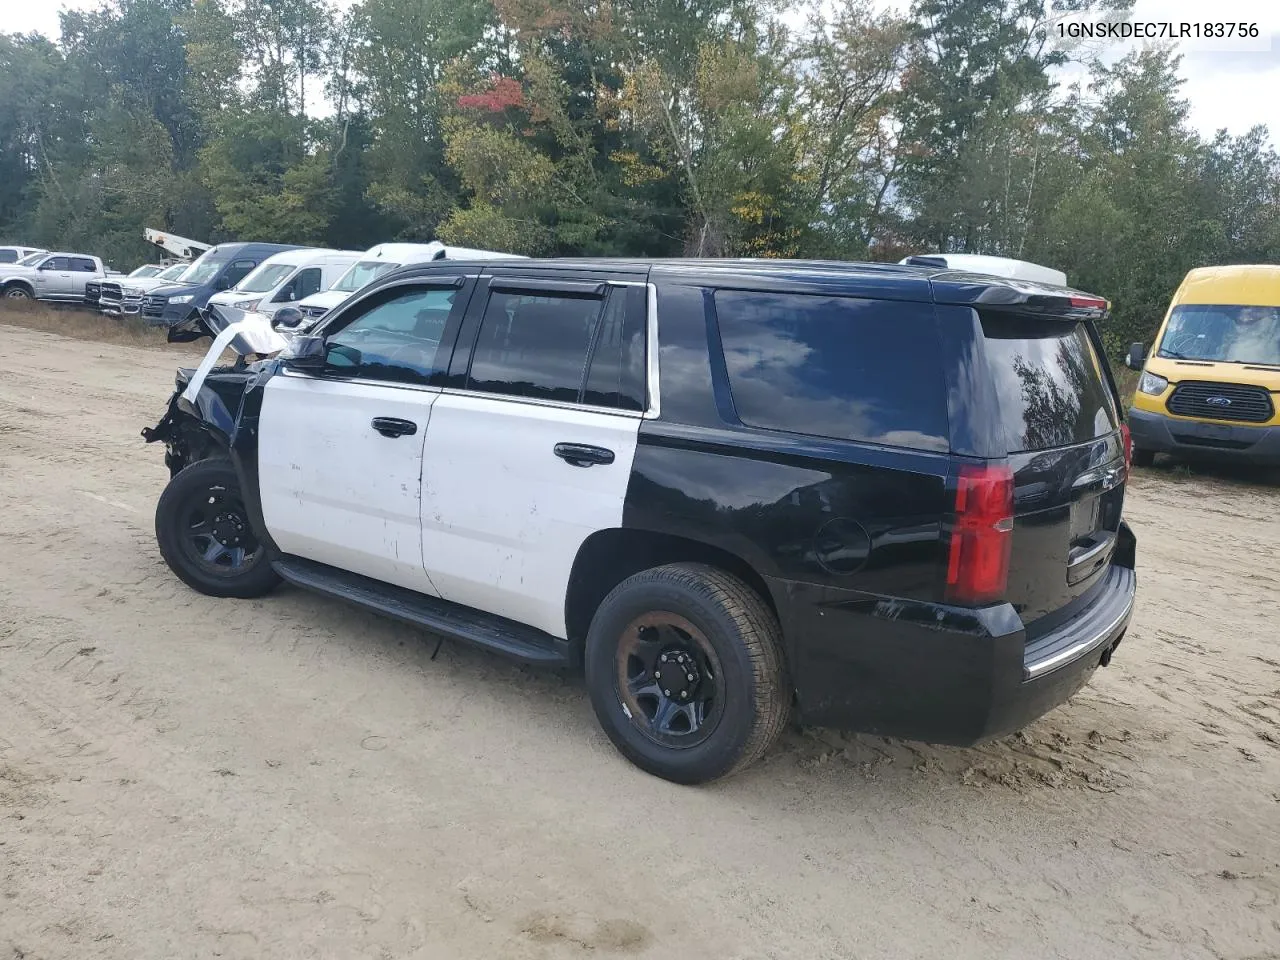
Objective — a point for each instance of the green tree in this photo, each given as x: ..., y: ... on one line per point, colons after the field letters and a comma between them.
x: 400, y: 55
x: 1135, y: 221
x: 265, y: 181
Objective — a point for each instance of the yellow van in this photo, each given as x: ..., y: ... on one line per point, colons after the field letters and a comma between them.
x: 1211, y: 385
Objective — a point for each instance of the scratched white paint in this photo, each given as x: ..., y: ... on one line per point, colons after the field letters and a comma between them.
x: 502, y: 516
x: 336, y: 491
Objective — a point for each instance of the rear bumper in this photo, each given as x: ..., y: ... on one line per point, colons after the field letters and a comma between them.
x: 943, y: 674
x: 1193, y: 438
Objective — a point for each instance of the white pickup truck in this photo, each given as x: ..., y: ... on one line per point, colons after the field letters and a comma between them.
x: 58, y: 277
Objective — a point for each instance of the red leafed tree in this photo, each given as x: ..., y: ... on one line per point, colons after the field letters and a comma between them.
x: 502, y: 94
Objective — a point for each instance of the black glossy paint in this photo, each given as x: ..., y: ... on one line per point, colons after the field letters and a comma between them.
x: 1061, y: 498
x: 771, y: 500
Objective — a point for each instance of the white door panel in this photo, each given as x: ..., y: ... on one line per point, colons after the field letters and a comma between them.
x: 335, y: 490
x: 502, y: 515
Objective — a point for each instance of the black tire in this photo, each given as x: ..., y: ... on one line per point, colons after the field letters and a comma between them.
x: 16, y: 291
x: 742, y: 660
x: 201, y: 515
x: 1143, y: 458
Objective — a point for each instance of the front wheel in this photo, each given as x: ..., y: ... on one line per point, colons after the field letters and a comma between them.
x: 1143, y: 458
x: 17, y: 292
x: 685, y: 671
x: 205, y: 537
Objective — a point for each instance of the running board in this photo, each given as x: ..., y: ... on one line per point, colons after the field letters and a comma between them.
x: 452, y: 620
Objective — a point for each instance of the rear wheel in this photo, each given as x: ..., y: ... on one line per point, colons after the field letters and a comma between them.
x: 205, y: 537
x: 1143, y: 458
x: 685, y: 671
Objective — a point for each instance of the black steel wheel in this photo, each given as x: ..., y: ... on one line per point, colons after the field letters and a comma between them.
x: 685, y: 670
x: 205, y: 536
x: 669, y: 680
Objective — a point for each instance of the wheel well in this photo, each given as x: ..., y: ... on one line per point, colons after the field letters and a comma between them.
x: 17, y: 283
x: 608, y: 557
x: 192, y: 442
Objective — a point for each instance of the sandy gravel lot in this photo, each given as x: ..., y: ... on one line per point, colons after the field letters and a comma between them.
x: 189, y: 777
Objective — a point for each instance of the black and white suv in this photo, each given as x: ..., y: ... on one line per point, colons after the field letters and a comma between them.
x: 887, y: 496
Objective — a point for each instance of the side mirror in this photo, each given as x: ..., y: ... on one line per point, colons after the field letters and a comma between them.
x: 224, y: 282
x: 305, y: 353
x: 1137, y: 356
x: 288, y: 317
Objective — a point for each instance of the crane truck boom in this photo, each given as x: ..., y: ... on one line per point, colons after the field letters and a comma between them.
x: 180, y: 248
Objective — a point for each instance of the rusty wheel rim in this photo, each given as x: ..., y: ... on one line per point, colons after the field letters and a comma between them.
x: 669, y: 680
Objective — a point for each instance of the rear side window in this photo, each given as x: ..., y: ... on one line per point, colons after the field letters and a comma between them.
x: 534, y: 346
x: 838, y: 367
x: 1050, y: 387
x: 8, y: 256
x: 86, y: 266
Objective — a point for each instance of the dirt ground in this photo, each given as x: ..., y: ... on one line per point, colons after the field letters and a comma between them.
x: 189, y: 777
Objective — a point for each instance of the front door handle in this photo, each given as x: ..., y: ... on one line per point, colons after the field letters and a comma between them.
x: 583, y: 454
x: 394, y: 427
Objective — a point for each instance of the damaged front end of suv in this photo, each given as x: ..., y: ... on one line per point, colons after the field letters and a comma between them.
x: 209, y: 521
x: 213, y: 411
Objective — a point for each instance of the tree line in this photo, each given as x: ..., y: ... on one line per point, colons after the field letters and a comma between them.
x: 629, y: 127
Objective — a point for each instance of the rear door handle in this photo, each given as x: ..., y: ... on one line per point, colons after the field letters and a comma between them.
x: 394, y: 427
x: 583, y: 454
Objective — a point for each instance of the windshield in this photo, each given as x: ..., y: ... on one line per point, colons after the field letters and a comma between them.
x: 366, y: 271
x: 32, y: 260
x: 174, y: 272
x: 1224, y: 333
x: 147, y: 270
x: 203, y: 270
x: 266, y: 277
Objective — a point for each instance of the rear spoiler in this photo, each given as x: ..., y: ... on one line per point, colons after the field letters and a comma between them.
x: 1018, y: 296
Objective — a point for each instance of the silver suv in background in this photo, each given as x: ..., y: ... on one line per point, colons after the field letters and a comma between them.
x: 56, y: 277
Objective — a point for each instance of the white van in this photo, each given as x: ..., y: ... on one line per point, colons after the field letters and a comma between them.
x: 991, y: 266
x: 285, y: 278
x: 384, y: 258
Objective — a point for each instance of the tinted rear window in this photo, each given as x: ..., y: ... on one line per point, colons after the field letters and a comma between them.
x: 835, y: 367
x: 534, y: 346
x: 1050, y: 387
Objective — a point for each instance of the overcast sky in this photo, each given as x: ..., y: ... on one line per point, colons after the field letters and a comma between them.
x: 1228, y: 89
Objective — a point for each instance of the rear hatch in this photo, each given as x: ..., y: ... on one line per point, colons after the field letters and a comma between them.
x: 1066, y: 449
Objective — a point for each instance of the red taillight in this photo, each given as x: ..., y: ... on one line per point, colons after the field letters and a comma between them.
x: 978, y: 567
x: 1126, y: 437
x: 1094, y: 303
